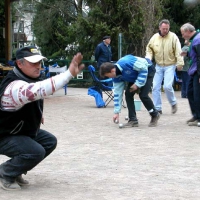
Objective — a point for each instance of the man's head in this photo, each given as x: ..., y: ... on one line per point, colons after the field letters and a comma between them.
x: 164, y: 27
x: 107, y: 69
x: 187, y: 31
x: 107, y: 40
x: 28, y: 60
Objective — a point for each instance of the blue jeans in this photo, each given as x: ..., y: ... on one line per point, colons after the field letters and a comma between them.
x: 165, y: 74
x: 25, y: 152
x: 193, y: 95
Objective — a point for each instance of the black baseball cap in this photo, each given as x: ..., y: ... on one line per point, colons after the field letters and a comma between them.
x: 106, y: 37
x: 29, y: 53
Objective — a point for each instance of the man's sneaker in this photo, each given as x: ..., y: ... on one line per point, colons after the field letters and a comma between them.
x: 154, y: 120
x: 8, y: 185
x: 160, y: 111
x: 191, y: 120
x: 174, y: 109
x: 21, y: 181
x: 131, y: 124
x: 194, y: 123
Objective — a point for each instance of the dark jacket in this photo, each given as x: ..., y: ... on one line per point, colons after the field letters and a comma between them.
x: 194, y: 55
x: 103, y: 53
x: 25, y: 121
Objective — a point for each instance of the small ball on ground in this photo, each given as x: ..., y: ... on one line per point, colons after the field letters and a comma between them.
x: 121, y: 125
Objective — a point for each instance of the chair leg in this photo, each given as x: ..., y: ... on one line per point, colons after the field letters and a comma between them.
x: 110, y: 98
x: 107, y: 101
x: 65, y: 88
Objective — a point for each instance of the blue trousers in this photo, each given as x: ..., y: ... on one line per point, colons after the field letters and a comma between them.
x: 167, y: 74
x: 193, y: 94
x: 25, y: 152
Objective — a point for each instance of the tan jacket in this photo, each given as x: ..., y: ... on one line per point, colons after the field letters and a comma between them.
x: 165, y: 50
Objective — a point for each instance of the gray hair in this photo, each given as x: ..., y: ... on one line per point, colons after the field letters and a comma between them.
x: 21, y: 60
x: 188, y: 27
x: 164, y: 21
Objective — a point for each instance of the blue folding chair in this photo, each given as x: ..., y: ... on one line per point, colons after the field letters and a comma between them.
x: 105, y: 85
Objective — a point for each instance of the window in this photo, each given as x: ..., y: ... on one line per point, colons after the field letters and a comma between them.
x: 21, y: 26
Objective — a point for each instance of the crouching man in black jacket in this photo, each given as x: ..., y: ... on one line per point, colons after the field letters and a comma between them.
x: 21, y: 113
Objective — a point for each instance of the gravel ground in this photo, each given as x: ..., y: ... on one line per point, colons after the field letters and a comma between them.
x: 95, y: 160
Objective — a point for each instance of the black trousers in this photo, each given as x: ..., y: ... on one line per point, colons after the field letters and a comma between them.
x: 193, y: 95
x: 144, y: 97
x: 24, y: 152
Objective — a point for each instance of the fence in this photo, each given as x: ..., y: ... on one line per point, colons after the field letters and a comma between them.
x: 83, y: 79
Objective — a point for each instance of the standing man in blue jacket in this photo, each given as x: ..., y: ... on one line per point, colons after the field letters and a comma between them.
x: 103, y: 51
x: 138, y: 72
x: 189, y: 32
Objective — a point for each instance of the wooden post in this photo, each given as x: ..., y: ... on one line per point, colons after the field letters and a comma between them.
x: 8, y: 31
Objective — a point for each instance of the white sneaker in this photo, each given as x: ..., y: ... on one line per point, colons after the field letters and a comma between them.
x: 8, y: 185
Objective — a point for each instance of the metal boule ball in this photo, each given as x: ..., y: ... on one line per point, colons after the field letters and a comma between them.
x: 121, y: 125
x: 198, y: 124
x: 126, y: 118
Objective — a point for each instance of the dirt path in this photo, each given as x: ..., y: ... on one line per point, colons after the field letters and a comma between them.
x: 95, y: 160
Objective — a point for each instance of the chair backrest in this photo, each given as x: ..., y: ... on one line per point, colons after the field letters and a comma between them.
x: 92, y: 72
x: 79, y: 75
x: 57, y: 69
x: 105, y: 85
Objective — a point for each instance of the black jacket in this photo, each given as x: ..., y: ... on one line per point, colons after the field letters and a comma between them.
x: 25, y: 121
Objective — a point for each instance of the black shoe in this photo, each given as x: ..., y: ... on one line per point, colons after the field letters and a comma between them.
x: 154, y: 120
x: 191, y: 120
x: 160, y: 111
x: 174, y: 108
x: 194, y: 123
x: 21, y: 181
x: 131, y: 124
